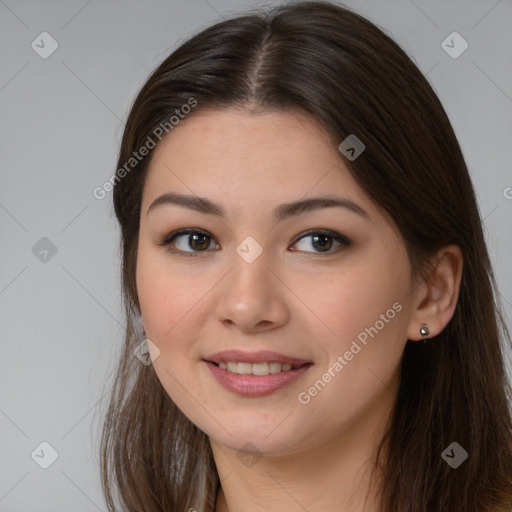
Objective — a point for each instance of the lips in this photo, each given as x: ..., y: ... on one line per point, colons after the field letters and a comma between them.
x: 251, y: 379
x: 239, y: 356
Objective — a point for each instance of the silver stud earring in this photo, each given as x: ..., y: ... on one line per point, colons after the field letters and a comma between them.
x: 424, y: 330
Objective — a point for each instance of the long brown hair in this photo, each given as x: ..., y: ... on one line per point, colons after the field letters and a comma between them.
x: 333, y: 64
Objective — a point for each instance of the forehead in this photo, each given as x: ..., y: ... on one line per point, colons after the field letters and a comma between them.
x: 233, y: 134
x: 237, y: 157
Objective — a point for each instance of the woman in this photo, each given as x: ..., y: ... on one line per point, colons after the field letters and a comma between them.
x: 303, y: 258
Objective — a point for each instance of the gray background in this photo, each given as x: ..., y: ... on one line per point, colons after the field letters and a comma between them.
x: 62, y: 120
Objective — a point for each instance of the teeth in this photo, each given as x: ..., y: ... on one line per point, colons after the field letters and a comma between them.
x: 260, y: 369
x: 275, y: 367
x: 255, y: 369
x: 244, y: 368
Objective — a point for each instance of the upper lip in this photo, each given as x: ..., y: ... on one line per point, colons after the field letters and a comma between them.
x: 239, y: 356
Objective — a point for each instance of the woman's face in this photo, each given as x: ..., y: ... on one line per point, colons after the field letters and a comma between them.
x: 275, y: 275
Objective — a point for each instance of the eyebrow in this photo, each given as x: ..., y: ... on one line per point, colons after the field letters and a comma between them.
x: 282, y: 212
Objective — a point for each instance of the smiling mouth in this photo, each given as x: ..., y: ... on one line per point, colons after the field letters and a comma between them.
x: 255, y: 374
x: 259, y: 369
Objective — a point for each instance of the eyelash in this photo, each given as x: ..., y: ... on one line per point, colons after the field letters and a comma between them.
x: 341, y: 239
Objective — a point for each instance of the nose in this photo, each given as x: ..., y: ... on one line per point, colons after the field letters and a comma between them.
x: 252, y: 296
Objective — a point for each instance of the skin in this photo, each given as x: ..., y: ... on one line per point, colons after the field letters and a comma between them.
x: 293, y: 299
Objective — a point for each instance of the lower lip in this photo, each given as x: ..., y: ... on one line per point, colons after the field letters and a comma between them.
x: 255, y: 385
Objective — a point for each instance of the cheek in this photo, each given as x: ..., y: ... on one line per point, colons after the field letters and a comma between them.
x: 348, y: 302
x: 168, y: 299
x: 364, y: 314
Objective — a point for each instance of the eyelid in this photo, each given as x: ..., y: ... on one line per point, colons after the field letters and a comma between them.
x: 340, y: 238
x: 167, y: 240
x: 184, y: 231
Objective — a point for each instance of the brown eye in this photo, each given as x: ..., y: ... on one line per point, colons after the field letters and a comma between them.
x: 189, y: 241
x: 199, y: 242
x: 322, y: 241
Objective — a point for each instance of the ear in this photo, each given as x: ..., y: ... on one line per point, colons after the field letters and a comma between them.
x: 437, y: 295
